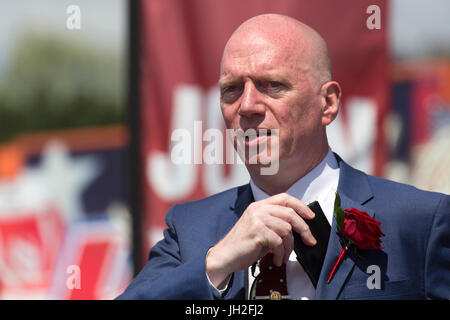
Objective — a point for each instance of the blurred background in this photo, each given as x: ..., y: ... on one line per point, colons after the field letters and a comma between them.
x: 87, y: 106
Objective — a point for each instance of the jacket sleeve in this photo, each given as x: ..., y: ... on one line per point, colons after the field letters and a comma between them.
x: 165, y: 276
x: 437, y: 260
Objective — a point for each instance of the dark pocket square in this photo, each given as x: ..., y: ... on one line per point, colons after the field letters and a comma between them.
x: 311, y: 258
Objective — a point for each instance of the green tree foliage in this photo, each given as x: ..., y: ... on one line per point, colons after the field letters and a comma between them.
x: 52, y: 82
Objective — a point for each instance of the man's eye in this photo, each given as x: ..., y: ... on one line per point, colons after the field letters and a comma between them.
x: 230, y: 93
x: 271, y: 87
x: 274, y: 84
x: 230, y: 89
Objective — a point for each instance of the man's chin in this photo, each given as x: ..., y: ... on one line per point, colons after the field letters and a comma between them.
x: 262, y: 165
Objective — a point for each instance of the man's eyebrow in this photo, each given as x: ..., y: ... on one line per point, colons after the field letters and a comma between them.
x: 224, y: 82
x: 266, y: 76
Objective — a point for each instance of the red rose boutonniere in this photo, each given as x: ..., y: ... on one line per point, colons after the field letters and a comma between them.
x: 355, y: 227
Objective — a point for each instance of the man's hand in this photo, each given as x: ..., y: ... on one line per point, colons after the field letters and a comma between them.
x: 265, y: 225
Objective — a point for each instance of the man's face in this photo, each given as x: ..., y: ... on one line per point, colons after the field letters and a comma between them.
x: 264, y: 84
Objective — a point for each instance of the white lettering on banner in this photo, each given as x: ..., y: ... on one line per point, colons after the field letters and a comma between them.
x: 173, y: 177
x: 169, y: 180
x: 214, y: 178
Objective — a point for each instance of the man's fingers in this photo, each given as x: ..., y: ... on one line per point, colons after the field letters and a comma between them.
x: 286, y: 200
x: 285, y: 242
x: 306, y: 235
x: 266, y: 225
x: 297, y: 223
x: 288, y: 247
x: 282, y: 252
x: 278, y: 255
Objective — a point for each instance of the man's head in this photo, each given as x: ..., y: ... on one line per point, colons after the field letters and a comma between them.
x: 275, y: 74
x: 302, y: 43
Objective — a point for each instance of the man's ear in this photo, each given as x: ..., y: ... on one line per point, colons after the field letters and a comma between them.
x: 331, y: 101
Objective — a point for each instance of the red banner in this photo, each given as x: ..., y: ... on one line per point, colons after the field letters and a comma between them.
x: 181, y: 48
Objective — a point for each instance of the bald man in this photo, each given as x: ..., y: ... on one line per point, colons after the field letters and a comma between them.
x: 276, y: 87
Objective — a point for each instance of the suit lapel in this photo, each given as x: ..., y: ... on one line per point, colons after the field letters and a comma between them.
x: 355, y: 192
x: 244, y: 197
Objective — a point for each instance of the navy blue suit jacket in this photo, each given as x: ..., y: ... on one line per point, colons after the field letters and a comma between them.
x: 414, y: 263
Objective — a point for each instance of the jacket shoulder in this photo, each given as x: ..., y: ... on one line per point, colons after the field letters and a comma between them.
x: 208, y: 206
x: 393, y: 189
x: 408, y: 200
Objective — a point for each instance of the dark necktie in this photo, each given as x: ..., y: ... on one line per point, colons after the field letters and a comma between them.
x: 271, y: 281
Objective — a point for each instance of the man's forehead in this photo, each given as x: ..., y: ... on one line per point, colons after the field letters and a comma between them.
x: 254, y: 39
x: 258, y: 55
x: 272, y: 25
x: 245, y: 53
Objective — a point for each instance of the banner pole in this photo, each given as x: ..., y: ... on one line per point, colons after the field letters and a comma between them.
x: 134, y: 126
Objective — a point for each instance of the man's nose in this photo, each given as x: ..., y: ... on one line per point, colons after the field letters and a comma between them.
x: 250, y: 103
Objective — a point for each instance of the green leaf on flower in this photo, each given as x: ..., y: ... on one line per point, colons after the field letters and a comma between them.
x: 349, y: 243
x: 338, y: 212
x: 337, y: 202
x: 340, y: 216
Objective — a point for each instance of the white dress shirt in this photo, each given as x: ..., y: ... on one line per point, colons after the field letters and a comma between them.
x: 319, y: 184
